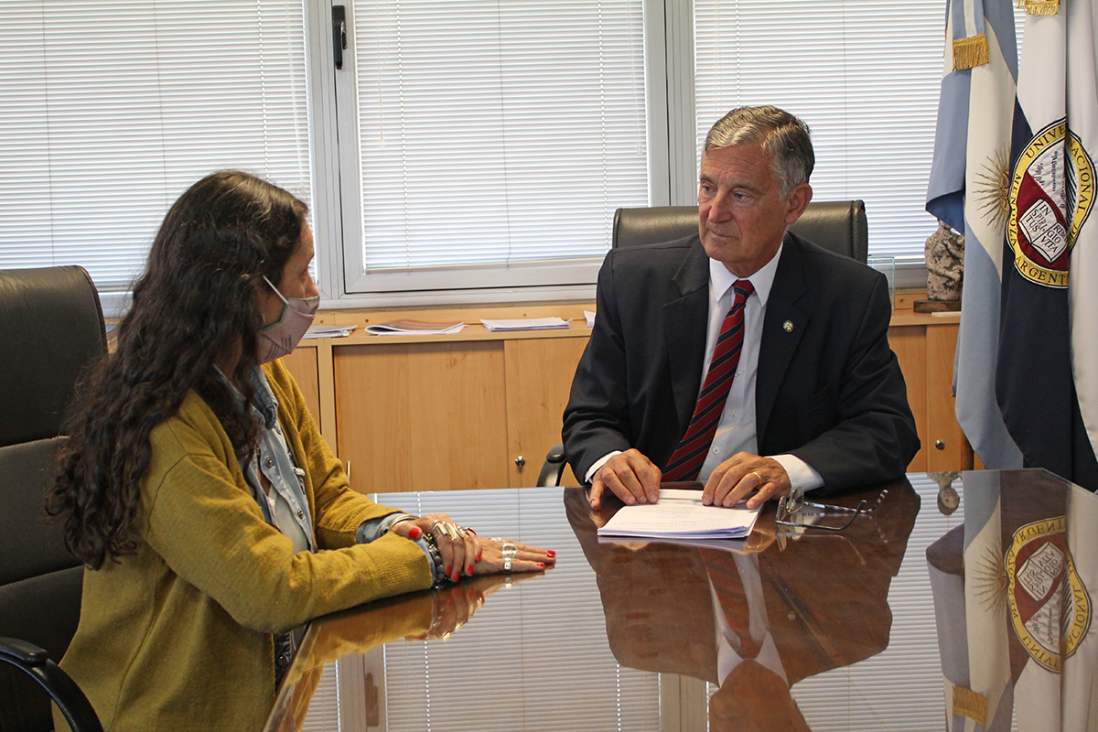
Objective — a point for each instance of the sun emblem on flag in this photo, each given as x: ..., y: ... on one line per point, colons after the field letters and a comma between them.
x: 1050, y: 607
x: 1051, y: 194
x: 992, y: 189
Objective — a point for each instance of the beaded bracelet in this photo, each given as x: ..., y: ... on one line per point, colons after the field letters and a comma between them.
x: 432, y: 546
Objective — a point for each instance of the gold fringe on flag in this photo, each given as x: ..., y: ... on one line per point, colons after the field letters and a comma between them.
x: 970, y: 52
x: 1040, y: 7
x: 969, y: 704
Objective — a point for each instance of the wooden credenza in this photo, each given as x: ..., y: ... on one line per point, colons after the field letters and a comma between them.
x: 480, y: 409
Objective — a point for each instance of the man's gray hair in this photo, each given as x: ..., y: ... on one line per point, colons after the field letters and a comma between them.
x: 780, y: 133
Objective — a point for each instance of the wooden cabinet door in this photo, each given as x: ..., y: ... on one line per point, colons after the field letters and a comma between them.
x: 946, y: 446
x: 539, y: 376
x: 302, y: 365
x: 908, y: 342
x: 426, y: 416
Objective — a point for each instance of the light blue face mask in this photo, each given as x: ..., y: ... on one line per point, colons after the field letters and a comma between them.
x: 281, y: 338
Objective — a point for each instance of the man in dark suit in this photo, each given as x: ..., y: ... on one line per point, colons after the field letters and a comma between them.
x: 816, y: 397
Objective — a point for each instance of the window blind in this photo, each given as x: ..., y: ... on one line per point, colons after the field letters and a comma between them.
x: 863, y: 74
x: 110, y: 110
x: 496, y: 133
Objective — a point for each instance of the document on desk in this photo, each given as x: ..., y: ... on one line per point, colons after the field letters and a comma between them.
x: 679, y: 514
x: 526, y: 324
x: 414, y: 327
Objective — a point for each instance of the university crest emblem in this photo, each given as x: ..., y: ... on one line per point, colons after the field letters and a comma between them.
x: 1051, y: 194
x: 1049, y: 606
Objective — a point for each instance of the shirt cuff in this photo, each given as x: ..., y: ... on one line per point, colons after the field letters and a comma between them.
x: 801, y: 474
x: 375, y: 528
x: 598, y: 464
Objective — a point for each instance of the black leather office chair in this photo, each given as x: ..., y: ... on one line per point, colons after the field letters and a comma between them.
x: 839, y: 226
x: 51, y: 328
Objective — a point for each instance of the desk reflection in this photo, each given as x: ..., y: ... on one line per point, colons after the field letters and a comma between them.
x: 1013, y: 597
x: 753, y: 620
x: 836, y: 632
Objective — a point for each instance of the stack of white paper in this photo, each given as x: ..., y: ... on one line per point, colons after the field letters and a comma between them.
x: 329, y: 331
x: 590, y: 316
x: 414, y: 327
x: 679, y: 514
x: 526, y: 324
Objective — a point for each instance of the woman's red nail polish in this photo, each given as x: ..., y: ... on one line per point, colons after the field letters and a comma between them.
x: 413, y: 534
x: 447, y: 570
x: 479, y: 554
x: 469, y: 570
x: 541, y: 565
x: 551, y: 553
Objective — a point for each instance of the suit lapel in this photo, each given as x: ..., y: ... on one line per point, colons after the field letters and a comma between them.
x: 685, y: 321
x: 783, y: 325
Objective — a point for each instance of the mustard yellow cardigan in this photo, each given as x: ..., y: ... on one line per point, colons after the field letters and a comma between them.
x: 179, y: 635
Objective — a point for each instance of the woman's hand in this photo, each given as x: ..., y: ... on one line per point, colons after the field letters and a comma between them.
x: 459, y: 547
x: 502, y: 555
x: 464, y: 553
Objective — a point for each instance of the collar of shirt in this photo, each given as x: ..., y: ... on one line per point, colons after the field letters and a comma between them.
x: 721, y: 280
x: 265, y: 403
x: 266, y: 406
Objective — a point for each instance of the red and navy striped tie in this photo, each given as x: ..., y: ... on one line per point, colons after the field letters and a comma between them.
x: 686, y: 462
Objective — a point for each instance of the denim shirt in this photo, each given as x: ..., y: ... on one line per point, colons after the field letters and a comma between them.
x: 285, y: 507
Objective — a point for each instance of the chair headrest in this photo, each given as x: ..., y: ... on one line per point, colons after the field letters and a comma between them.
x: 51, y: 328
x: 839, y: 226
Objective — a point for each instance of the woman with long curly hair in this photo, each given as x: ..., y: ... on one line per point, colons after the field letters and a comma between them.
x: 212, y: 517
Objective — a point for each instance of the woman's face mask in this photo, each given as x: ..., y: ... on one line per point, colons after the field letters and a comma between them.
x: 281, y: 338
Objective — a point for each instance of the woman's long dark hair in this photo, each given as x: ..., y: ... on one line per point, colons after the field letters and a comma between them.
x: 196, y: 302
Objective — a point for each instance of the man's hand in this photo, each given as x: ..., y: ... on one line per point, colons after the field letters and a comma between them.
x: 741, y: 474
x: 631, y: 476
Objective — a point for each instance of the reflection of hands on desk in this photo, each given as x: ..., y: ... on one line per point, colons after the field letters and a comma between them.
x: 422, y: 616
x: 455, y: 605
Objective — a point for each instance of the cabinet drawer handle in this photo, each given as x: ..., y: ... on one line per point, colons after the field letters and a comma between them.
x: 520, y: 461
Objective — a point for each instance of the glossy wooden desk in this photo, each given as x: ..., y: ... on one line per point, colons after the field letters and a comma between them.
x: 809, y: 630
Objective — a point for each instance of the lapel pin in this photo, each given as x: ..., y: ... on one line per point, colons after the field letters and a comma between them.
x: 787, y: 326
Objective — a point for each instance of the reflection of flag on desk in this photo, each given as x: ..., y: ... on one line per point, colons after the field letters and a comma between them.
x: 971, y: 154
x: 1047, y: 375
x: 1013, y: 604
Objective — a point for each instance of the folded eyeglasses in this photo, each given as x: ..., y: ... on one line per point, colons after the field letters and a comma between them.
x: 794, y: 505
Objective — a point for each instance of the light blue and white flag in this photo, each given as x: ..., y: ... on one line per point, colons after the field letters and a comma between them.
x: 971, y: 165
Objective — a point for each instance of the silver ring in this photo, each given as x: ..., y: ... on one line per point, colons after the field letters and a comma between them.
x: 510, y: 551
x: 445, y: 528
x: 497, y: 539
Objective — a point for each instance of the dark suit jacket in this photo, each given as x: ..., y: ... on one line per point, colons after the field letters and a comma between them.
x: 829, y: 389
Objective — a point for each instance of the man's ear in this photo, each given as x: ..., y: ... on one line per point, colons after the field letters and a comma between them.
x: 797, y: 201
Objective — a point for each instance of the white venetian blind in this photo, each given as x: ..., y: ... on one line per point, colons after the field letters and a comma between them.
x: 864, y: 75
x: 109, y: 110
x: 494, y: 133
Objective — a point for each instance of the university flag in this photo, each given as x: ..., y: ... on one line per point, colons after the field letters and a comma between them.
x: 1047, y: 372
x: 971, y: 159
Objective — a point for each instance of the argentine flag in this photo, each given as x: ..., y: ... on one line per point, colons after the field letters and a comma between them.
x: 971, y: 160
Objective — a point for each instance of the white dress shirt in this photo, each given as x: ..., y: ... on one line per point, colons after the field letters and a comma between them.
x: 736, y: 429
